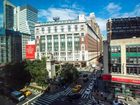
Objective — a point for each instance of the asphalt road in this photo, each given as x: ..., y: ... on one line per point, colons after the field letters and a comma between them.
x: 60, y: 98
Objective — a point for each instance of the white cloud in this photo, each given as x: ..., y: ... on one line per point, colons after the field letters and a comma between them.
x: 102, y: 23
x: 135, y: 12
x: 113, y: 8
x: 63, y: 13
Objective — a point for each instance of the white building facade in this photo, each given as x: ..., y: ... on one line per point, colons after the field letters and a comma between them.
x: 68, y: 40
x: 25, y: 19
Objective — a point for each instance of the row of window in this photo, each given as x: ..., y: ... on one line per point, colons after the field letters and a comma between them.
x: 133, y: 70
x: 62, y: 46
x: 133, y: 48
x: 133, y: 60
x: 129, y: 70
x: 69, y: 36
x: 115, y: 49
x: 115, y: 60
x: 69, y: 28
x: 115, y: 69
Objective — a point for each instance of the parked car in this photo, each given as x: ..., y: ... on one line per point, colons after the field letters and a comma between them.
x: 26, y: 92
x: 17, y: 96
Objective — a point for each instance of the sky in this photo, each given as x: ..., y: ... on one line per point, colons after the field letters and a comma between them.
x: 70, y: 9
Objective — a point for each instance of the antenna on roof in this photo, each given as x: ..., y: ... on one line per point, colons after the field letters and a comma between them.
x: 56, y: 18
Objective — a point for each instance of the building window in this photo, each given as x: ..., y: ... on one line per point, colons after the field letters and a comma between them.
x: 116, y: 68
x: 69, y: 28
x: 62, y: 29
x: 37, y: 30
x: 132, y: 48
x: 55, y: 29
x: 82, y: 27
x: 43, y: 30
x: 2, y: 39
x: 69, y: 42
x: 115, y: 49
x: 62, y: 42
x: 132, y: 60
x: 139, y: 60
x: 49, y: 29
x: 138, y: 48
x: 82, y: 34
x: 42, y: 44
x: 76, y: 42
x: 49, y: 43
x: 76, y: 28
x: 55, y: 42
x: 133, y: 70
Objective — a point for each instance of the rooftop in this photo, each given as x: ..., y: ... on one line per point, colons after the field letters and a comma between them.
x: 59, y: 22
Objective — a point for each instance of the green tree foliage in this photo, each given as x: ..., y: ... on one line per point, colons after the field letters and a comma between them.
x: 69, y: 72
x: 15, y: 75
x: 37, y: 69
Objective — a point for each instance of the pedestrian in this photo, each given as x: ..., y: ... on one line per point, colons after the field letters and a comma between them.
x: 102, y: 94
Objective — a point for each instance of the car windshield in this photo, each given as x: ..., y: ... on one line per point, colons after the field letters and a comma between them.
x: 19, y: 95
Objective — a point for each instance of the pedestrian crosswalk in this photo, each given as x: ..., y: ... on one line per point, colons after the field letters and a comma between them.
x: 66, y: 92
x: 46, y: 99
x: 82, y: 92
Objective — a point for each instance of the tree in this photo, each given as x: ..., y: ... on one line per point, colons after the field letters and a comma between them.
x: 69, y: 72
x: 37, y: 69
x: 15, y: 75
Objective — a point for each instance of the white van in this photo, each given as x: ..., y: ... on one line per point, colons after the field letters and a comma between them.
x: 17, y: 95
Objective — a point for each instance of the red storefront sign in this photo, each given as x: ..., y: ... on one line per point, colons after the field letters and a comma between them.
x: 108, y: 77
x: 30, y: 51
x: 125, y: 80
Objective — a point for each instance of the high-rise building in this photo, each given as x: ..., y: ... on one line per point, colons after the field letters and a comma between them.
x: 25, y: 18
x: 76, y: 41
x: 123, y: 69
x: 18, y: 26
x: 10, y: 40
x: 8, y: 16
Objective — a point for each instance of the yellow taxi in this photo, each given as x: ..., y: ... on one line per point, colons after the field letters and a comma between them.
x: 26, y: 92
x: 76, y: 88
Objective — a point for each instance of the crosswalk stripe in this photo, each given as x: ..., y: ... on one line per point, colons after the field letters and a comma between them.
x: 36, y: 104
x: 40, y: 102
x: 82, y: 91
x: 67, y: 92
x: 44, y: 101
x: 90, y: 97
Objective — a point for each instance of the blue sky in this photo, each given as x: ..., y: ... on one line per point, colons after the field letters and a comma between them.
x: 69, y: 9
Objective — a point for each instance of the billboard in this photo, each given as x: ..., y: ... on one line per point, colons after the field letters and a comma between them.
x: 30, y: 51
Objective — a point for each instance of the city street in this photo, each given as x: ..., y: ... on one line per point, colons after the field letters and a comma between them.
x: 60, y: 98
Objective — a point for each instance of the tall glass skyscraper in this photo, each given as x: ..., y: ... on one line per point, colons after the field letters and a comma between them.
x: 10, y: 40
x: 1, y: 14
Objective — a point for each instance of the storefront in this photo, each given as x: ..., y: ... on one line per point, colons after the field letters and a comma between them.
x: 123, y: 86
